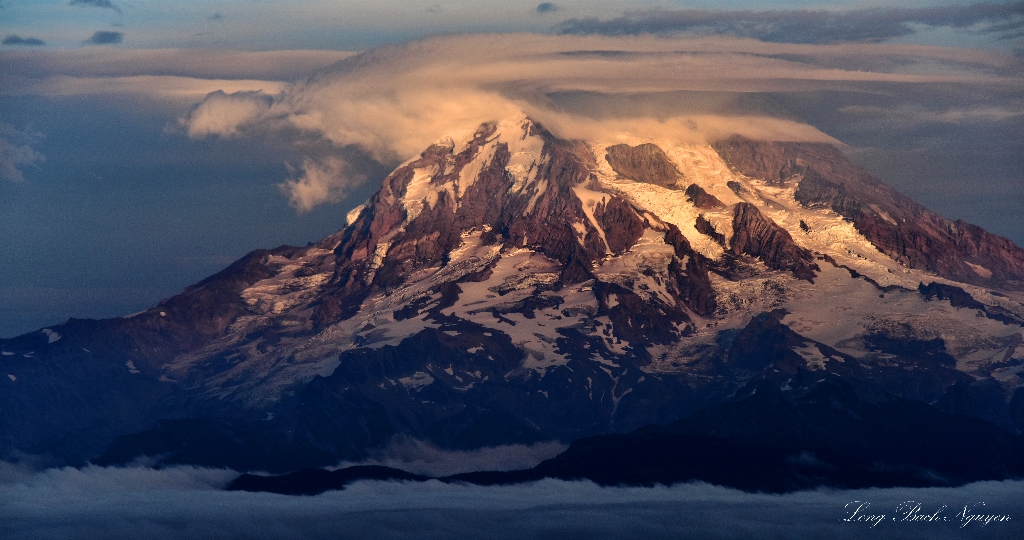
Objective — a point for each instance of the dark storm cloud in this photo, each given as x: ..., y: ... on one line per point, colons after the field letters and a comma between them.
x: 547, y: 7
x: 104, y: 37
x: 15, y: 39
x: 1005, y: 20
x: 105, y: 4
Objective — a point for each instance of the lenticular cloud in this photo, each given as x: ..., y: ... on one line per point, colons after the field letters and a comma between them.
x: 393, y: 101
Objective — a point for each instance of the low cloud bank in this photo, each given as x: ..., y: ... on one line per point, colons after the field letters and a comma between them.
x: 419, y: 457
x: 186, y: 502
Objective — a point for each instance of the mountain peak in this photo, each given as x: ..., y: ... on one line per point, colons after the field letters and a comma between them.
x: 509, y: 286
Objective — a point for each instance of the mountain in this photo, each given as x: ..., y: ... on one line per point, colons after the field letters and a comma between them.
x: 834, y: 434
x: 514, y: 287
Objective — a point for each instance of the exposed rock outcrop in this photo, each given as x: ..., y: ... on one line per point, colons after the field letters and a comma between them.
x: 702, y: 199
x: 757, y: 236
x: 705, y: 227
x: 767, y: 160
x: 644, y: 163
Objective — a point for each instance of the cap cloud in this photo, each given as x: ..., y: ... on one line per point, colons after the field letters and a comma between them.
x: 393, y: 101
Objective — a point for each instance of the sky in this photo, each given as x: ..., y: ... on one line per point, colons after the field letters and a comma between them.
x: 145, y: 145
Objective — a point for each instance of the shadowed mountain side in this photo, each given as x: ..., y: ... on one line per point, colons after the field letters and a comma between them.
x: 86, y: 381
x: 767, y: 440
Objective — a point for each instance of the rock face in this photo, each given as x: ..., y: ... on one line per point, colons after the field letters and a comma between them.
x: 644, y: 163
x: 515, y: 287
x: 702, y: 199
x: 706, y: 228
x: 757, y: 236
x: 773, y: 162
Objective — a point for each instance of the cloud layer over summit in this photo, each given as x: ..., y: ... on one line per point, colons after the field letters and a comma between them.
x: 394, y: 101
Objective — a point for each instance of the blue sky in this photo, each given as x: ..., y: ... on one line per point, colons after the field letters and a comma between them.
x: 116, y: 191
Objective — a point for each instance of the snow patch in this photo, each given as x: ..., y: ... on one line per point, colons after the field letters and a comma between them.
x: 526, y: 156
x: 814, y: 358
x: 417, y: 380
x: 353, y: 214
x: 980, y: 270
x: 419, y: 192
x: 51, y: 336
x: 471, y: 171
x: 591, y: 200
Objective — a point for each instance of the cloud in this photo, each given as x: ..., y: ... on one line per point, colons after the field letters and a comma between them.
x: 209, y: 64
x: 1005, y: 20
x: 164, y: 87
x: 105, y: 4
x: 394, y: 101
x: 15, y: 39
x: 547, y: 7
x: 225, y: 114
x: 17, y: 154
x: 104, y: 37
x: 916, y: 114
x: 419, y: 457
x: 187, y: 502
x: 325, y: 181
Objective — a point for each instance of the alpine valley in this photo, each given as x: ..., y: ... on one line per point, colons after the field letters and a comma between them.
x: 763, y: 315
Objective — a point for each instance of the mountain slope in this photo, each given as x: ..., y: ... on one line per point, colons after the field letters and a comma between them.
x: 515, y: 287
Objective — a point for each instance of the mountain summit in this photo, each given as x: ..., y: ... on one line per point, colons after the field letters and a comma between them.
x: 514, y: 287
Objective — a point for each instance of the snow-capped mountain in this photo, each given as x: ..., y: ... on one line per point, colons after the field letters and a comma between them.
x: 513, y: 287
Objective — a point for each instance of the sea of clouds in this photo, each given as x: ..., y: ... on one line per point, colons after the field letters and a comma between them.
x: 188, y: 502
